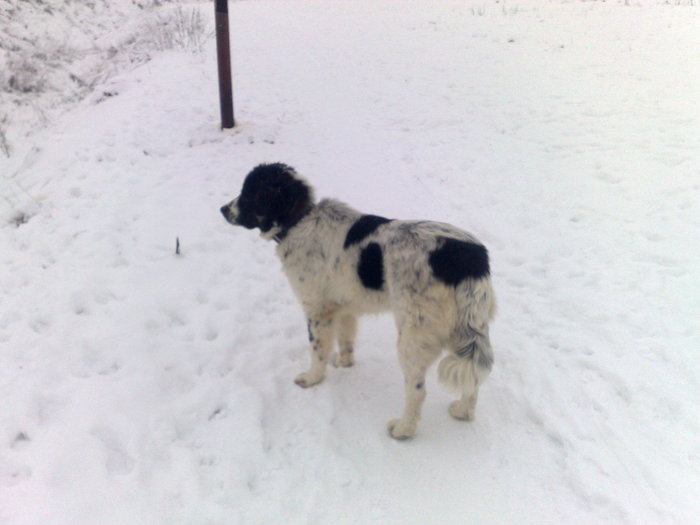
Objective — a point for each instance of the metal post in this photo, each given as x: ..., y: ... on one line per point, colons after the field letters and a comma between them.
x: 223, y: 53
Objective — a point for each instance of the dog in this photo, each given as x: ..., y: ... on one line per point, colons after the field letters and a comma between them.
x: 340, y: 263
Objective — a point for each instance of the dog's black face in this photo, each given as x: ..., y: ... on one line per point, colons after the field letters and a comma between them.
x: 273, y: 196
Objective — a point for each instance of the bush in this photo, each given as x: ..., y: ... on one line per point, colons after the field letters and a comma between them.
x: 179, y: 29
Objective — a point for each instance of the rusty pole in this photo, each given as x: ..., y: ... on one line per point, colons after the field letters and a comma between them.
x: 223, y: 53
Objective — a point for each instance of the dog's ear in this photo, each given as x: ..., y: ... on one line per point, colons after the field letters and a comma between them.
x: 264, y: 206
x: 292, y: 202
x: 282, y: 198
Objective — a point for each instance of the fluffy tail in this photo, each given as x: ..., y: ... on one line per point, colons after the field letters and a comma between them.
x: 470, y: 361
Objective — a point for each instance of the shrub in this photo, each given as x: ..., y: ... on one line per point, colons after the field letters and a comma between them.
x: 180, y: 29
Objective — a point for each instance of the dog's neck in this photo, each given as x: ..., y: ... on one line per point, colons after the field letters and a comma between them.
x: 278, y: 233
x: 275, y: 233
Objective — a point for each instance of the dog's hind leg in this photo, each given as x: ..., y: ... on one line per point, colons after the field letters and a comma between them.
x: 321, y: 339
x: 415, y: 358
x: 347, y: 329
x: 465, y: 407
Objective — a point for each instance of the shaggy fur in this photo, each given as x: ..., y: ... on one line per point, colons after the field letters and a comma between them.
x: 341, y: 264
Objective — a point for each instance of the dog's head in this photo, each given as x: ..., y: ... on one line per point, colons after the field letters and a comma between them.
x: 273, y: 198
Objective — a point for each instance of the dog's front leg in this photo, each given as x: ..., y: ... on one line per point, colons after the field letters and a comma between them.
x: 346, y: 328
x: 321, y: 339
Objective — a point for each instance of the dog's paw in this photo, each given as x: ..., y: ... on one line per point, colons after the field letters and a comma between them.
x: 399, y: 429
x: 344, y: 359
x: 306, y: 379
x: 461, y: 410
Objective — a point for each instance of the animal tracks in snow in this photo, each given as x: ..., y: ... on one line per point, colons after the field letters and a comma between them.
x: 20, y: 441
x: 96, y: 362
x: 117, y: 460
x: 13, y: 473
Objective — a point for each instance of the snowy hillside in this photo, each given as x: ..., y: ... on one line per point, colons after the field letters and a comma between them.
x: 138, y: 386
x: 55, y: 52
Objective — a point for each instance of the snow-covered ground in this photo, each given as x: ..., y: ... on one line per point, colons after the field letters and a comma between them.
x: 142, y: 387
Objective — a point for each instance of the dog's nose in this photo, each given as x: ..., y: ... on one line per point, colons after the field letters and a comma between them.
x: 225, y: 211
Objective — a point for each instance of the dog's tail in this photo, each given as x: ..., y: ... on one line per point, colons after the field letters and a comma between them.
x: 471, y: 359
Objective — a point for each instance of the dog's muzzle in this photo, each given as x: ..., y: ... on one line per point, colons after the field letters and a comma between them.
x: 227, y: 210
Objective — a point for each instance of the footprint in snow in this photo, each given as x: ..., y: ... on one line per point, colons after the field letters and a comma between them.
x: 40, y: 325
x: 176, y: 318
x: 202, y: 297
x: 118, y: 461
x: 12, y: 473
x: 93, y: 362
x: 20, y: 441
x: 211, y: 334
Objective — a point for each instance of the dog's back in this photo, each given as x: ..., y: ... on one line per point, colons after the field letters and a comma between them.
x: 432, y: 275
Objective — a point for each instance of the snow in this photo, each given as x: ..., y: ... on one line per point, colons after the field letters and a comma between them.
x: 141, y: 386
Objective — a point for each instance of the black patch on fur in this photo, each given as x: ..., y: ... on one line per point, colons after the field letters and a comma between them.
x: 455, y: 260
x: 467, y: 351
x: 371, y: 266
x: 273, y: 196
x: 311, y: 335
x: 364, y: 226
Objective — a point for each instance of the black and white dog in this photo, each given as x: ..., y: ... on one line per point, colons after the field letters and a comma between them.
x: 340, y: 263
